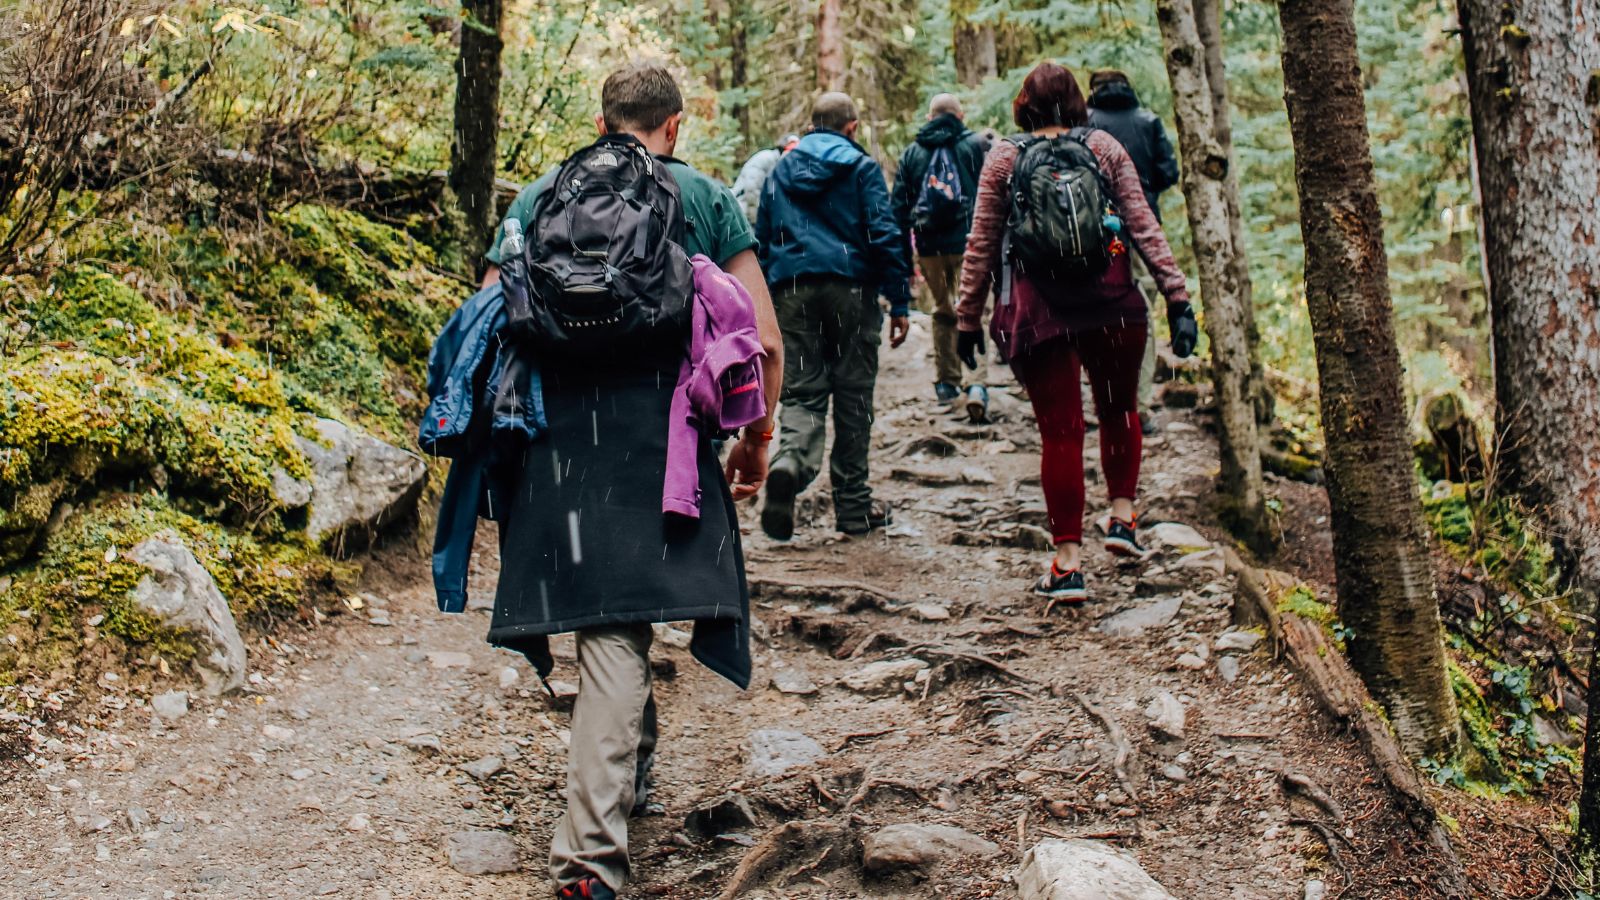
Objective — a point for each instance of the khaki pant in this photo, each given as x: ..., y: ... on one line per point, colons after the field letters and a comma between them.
x: 613, y: 737
x: 943, y: 274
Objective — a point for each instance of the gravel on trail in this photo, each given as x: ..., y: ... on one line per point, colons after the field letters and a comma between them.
x: 916, y: 686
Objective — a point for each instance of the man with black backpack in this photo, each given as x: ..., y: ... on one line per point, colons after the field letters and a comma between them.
x: 1114, y: 108
x: 933, y: 193
x: 601, y: 292
x: 830, y: 247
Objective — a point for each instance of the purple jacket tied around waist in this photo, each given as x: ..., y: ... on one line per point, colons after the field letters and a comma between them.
x: 719, y: 388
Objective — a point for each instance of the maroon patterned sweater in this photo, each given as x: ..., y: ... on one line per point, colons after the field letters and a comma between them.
x: 1029, y: 319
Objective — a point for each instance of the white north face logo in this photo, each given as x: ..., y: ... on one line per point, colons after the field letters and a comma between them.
x: 606, y: 159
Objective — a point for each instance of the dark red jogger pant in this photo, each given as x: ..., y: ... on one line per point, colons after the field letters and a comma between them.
x: 1051, y: 373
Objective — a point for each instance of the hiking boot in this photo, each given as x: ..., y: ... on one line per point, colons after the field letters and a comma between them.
x: 946, y: 392
x: 1147, y: 422
x: 643, y: 783
x: 1067, y: 587
x: 877, y: 516
x: 777, y: 517
x: 590, y: 888
x: 1121, y: 541
x: 977, y: 404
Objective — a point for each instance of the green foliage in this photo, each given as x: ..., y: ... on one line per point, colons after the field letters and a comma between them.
x: 1494, y: 534
x: 1497, y: 719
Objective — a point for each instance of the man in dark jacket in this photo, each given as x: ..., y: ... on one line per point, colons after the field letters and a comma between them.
x: 942, y: 239
x: 1114, y: 108
x: 830, y: 247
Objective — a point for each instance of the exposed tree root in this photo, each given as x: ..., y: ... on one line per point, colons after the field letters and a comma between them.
x: 782, y: 844
x: 1119, y: 741
x: 1295, y: 782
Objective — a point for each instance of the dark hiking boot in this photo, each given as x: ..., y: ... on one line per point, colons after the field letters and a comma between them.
x: 977, y: 404
x: 1067, y: 587
x: 877, y: 516
x: 643, y: 783
x: 1147, y: 422
x: 1121, y: 541
x: 590, y: 888
x: 777, y: 517
x: 946, y: 392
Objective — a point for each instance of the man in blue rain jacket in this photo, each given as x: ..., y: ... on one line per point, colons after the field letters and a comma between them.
x: 830, y: 247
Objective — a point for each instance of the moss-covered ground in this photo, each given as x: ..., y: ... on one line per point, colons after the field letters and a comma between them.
x: 156, y: 384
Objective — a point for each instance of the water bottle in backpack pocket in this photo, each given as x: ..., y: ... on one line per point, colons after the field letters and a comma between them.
x: 1061, y: 212
x: 604, y: 265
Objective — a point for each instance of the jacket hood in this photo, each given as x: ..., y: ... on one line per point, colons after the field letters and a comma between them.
x: 820, y: 159
x: 942, y: 131
x: 1114, y: 95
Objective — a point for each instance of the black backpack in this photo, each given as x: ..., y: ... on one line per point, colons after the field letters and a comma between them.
x: 1059, y: 201
x: 604, y: 265
x: 942, y: 203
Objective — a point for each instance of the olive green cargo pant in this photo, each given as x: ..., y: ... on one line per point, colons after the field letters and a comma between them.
x: 831, y: 332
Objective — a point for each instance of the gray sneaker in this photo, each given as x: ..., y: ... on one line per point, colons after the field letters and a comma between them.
x: 978, y: 404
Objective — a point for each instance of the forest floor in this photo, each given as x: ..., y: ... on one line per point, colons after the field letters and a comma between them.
x: 936, y: 689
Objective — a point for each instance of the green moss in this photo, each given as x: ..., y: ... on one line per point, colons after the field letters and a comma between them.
x: 1496, y: 536
x: 1301, y: 601
x: 86, y: 571
x: 1477, y: 722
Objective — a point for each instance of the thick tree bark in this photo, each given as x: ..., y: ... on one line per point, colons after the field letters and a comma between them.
x: 1206, y: 184
x: 1208, y: 21
x: 474, y: 150
x: 975, y: 49
x: 739, y: 17
x: 830, y: 46
x: 1533, y: 74
x: 1380, y: 544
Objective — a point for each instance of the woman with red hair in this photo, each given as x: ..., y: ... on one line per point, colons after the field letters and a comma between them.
x: 1053, y: 327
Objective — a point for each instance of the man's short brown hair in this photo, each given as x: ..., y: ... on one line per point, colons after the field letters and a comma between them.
x: 640, y: 98
x: 833, y: 111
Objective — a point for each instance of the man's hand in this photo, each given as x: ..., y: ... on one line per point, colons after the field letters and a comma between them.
x: 899, y: 330
x: 747, y: 465
x: 969, y: 346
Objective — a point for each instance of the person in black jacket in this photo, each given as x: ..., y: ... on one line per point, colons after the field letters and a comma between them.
x: 1114, y: 108
x: 830, y: 247
x: 940, y: 244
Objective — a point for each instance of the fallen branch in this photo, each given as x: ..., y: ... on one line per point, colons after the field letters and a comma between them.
x: 822, y: 792
x: 861, y: 736
x: 832, y: 590
x: 873, y: 782
x: 1119, y: 741
x: 1341, y: 694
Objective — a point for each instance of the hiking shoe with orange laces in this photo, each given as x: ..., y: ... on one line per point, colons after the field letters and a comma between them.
x: 590, y: 888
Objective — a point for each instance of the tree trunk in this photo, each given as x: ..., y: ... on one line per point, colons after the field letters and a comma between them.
x: 1380, y: 544
x: 473, y: 151
x: 975, y: 49
x: 739, y: 16
x: 1533, y: 73
x: 830, y: 46
x: 1206, y: 183
x: 1208, y: 21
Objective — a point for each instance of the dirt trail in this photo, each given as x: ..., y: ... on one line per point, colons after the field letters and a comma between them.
x: 340, y: 771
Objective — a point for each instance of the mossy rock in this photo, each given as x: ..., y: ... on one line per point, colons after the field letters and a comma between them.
x: 85, y: 572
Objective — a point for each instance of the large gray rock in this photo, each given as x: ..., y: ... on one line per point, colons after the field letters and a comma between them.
x: 1136, y: 621
x: 912, y: 846
x: 181, y: 594
x: 358, y: 483
x: 1084, y: 870
x: 883, y: 677
x: 1176, y: 536
x: 482, y: 852
x: 774, y: 751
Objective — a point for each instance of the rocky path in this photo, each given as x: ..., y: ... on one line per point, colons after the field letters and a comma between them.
x: 917, y: 722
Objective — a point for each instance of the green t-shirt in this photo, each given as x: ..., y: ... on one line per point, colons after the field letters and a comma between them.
x: 717, y: 226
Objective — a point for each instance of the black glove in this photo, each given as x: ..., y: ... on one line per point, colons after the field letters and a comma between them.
x: 1185, y: 331
x: 969, y: 346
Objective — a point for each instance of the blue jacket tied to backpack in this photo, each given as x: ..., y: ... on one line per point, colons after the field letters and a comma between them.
x: 485, y: 401
x: 825, y: 212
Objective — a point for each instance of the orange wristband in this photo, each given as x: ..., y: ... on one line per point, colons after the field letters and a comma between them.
x: 764, y: 436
